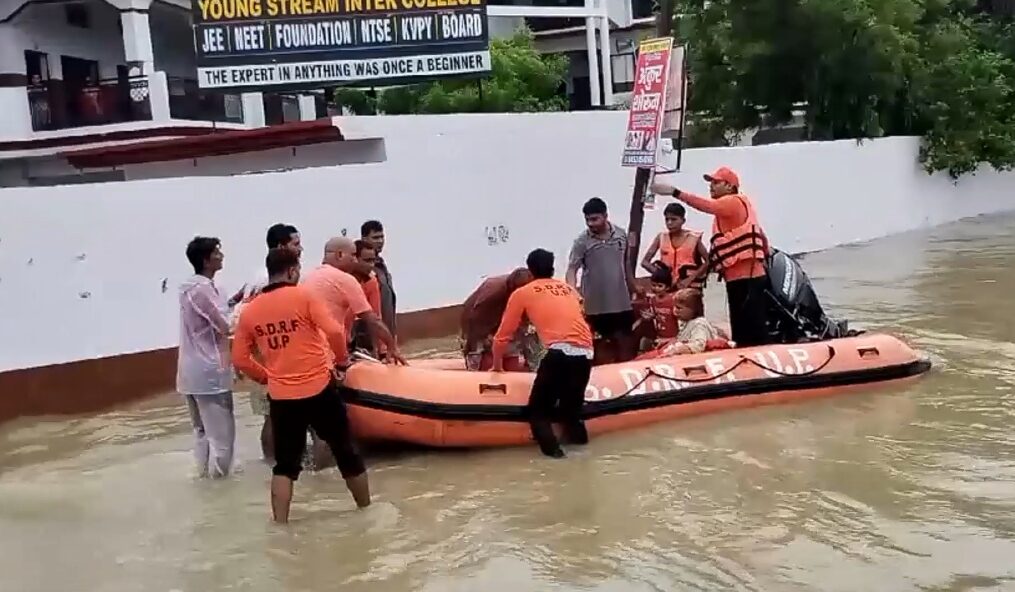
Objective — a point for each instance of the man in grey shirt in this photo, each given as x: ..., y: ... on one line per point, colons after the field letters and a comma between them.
x: 607, y: 282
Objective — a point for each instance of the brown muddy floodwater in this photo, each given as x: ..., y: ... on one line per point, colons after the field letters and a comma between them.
x: 910, y: 488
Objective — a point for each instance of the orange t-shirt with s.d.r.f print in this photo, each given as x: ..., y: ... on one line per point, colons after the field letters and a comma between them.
x: 294, y: 335
x: 554, y: 309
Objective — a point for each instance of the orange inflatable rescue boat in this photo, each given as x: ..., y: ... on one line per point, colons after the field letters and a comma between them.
x: 438, y: 403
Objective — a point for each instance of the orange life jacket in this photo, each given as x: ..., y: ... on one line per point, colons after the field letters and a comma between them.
x: 742, y: 243
x: 682, y: 260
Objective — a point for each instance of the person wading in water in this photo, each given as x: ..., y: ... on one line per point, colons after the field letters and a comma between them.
x: 334, y: 282
x: 203, y: 373
x: 366, y: 273
x: 278, y: 235
x: 300, y: 345
x: 372, y: 232
x: 555, y: 310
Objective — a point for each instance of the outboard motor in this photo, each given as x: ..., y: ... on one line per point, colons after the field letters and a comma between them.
x: 795, y: 315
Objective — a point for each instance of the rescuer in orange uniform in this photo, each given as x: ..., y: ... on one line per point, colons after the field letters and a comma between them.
x: 738, y: 253
x: 297, y: 341
x: 555, y: 310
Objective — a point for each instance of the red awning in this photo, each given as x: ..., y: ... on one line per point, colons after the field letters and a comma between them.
x: 299, y: 133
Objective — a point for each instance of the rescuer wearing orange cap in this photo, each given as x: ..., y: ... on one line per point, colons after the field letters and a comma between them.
x: 738, y: 252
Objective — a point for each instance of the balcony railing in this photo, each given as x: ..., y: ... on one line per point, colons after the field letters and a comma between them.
x: 59, y: 105
x: 187, y: 101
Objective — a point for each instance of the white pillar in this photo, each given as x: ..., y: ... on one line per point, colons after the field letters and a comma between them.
x: 158, y: 96
x: 16, y: 122
x: 137, y: 36
x: 606, y: 55
x: 253, y: 109
x: 308, y: 108
x: 137, y: 40
x: 140, y: 56
x: 590, y: 46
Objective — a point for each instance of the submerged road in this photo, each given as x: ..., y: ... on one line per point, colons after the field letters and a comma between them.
x: 910, y: 488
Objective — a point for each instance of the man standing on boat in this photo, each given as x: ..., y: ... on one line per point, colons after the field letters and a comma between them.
x: 300, y: 345
x: 738, y: 253
x: 607, y: 282
x: 203, y: 372
x: 555, y: 310
x: 481, y: 314
x: 372, y: 231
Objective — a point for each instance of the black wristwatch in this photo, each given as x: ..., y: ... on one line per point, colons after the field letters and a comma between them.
x: 676, y: 193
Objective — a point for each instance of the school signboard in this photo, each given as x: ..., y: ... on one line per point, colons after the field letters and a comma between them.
x: 288, y: 44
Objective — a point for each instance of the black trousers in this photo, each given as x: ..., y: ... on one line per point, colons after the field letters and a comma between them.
x: 748, y: 311
x: 324, y: 412
x: 558, y: 393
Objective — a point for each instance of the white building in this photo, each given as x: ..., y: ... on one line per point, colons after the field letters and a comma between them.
x: 84, y: 73
x: 82, y: 63
x: 598, y: 36
x: 75, y: 68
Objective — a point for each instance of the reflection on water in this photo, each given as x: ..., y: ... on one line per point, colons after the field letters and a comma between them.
x: 905, y: 489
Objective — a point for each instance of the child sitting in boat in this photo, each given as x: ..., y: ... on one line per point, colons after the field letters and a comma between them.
x: 696, y: 333
x: 657, y: 322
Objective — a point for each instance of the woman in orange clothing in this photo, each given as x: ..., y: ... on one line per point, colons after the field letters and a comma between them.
x: 680, y: 250
x: 295, y: 336
x: 738, y: 254
x: 555, y: 310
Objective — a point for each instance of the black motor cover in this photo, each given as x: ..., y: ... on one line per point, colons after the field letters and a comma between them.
x: 795, y: 314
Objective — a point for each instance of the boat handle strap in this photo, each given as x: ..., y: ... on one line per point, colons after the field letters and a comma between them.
x: 484, y: 387
x: 868, y: 352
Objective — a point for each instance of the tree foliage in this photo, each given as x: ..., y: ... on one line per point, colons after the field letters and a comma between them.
x: 521, y: 80
x: 858, y: 69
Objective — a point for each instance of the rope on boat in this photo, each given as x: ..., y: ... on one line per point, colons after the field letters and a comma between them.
x: 650, y: 373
